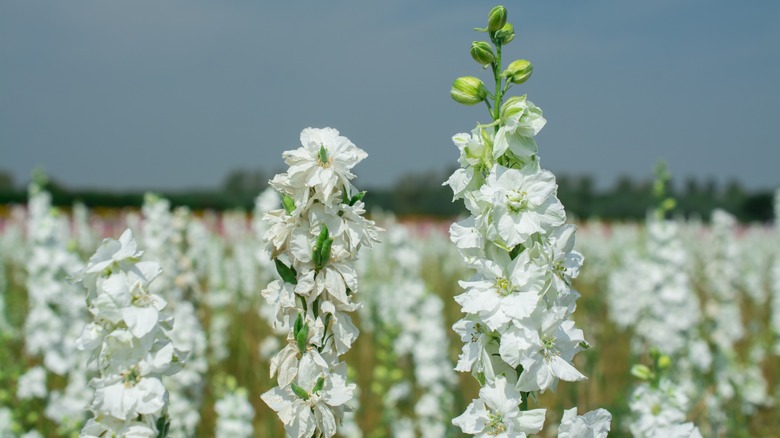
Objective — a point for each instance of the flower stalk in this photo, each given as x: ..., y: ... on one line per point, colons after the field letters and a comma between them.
x: 519, y: 338
x: 314, y: 242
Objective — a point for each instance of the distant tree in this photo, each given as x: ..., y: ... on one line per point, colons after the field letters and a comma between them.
x: 245, y: 182
x: 6, y: 181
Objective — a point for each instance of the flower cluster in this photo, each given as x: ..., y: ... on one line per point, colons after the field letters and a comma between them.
x: 234, y: 412
x: 518, y: 333
x: 314, y: 241
x: 164, y: 236
x: 128, y: 338
x: 56, y: 312
x: 406, y: 327
x: 659, y: 405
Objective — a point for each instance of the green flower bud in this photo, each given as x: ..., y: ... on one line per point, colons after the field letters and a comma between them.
x: 518, y: 71
x: 318, y: 386
x: 300, y: 392
x: 325, y: 251
x: 302, y: 338
x: 482, y: 53
x: 642, y: 372
x: 505, y: 35
x: 496, y: 18
x: 288, y: 203
x: 664, y: 361
x: 298, y: 325
x: 468, y: 90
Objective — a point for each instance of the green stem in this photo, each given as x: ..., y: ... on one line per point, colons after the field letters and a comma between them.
x: 497, y: 75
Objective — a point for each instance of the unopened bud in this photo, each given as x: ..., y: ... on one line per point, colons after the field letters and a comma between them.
x: 505, y: 34
x: 482, y: 53
x: 496, y: 18
x: 468, y: 90
x: 518, y: 71
x: 641, y: 372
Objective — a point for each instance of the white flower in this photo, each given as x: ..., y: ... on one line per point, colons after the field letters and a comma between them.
x: 522, y: 203
x: 32, y: 384
x: 302, y: 416
x: 475, y: 336
x: 129, y: 395
x: 323, y: 162
x: 112, y: 251
x: 234, y: 415
x: 504, y: 290
x: 594, y: 424
x: 520, y: 116
x: 545, y: 351
x: 496, y: 413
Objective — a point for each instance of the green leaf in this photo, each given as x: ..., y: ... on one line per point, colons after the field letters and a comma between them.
x: 287, y: 273
x: 163, y: 423
x: 300, y: 392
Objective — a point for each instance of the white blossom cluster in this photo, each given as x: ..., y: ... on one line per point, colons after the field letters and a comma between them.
x: 722, y: 274
x: 314, y: 241
x: 652, y: 293
x: 165, y: 239
x: 518, y: 333
x: 56, y: 314
x: 234, y: 415
x: 659, y: 410
x: 411, y: 324
x: 129, y: 339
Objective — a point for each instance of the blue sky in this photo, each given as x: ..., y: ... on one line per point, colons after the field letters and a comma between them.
x: 167, y: 95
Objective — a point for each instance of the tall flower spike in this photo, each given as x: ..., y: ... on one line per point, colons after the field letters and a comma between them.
x: 314, y: 241
x: 129, y: 340
x: 518, y: 330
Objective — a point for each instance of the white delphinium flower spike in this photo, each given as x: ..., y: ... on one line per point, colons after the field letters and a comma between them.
x: 518, y: 328
x: 129, y: 340
x: 234, y: 415
x: 314, y: 242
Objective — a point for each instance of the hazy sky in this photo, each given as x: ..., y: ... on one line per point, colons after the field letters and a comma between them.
x: 173, y: 94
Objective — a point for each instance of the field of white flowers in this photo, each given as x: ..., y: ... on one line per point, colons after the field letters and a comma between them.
x: 706, y: 296
x: 312, y: 317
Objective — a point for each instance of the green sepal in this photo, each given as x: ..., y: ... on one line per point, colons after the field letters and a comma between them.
x: 288, y: 203
x: 302, y: 338
x: 318, y: 386
x: 300, y: 392
x: 287, y: 273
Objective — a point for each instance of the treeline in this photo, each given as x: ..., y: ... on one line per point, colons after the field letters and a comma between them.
x: 422, y: 194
